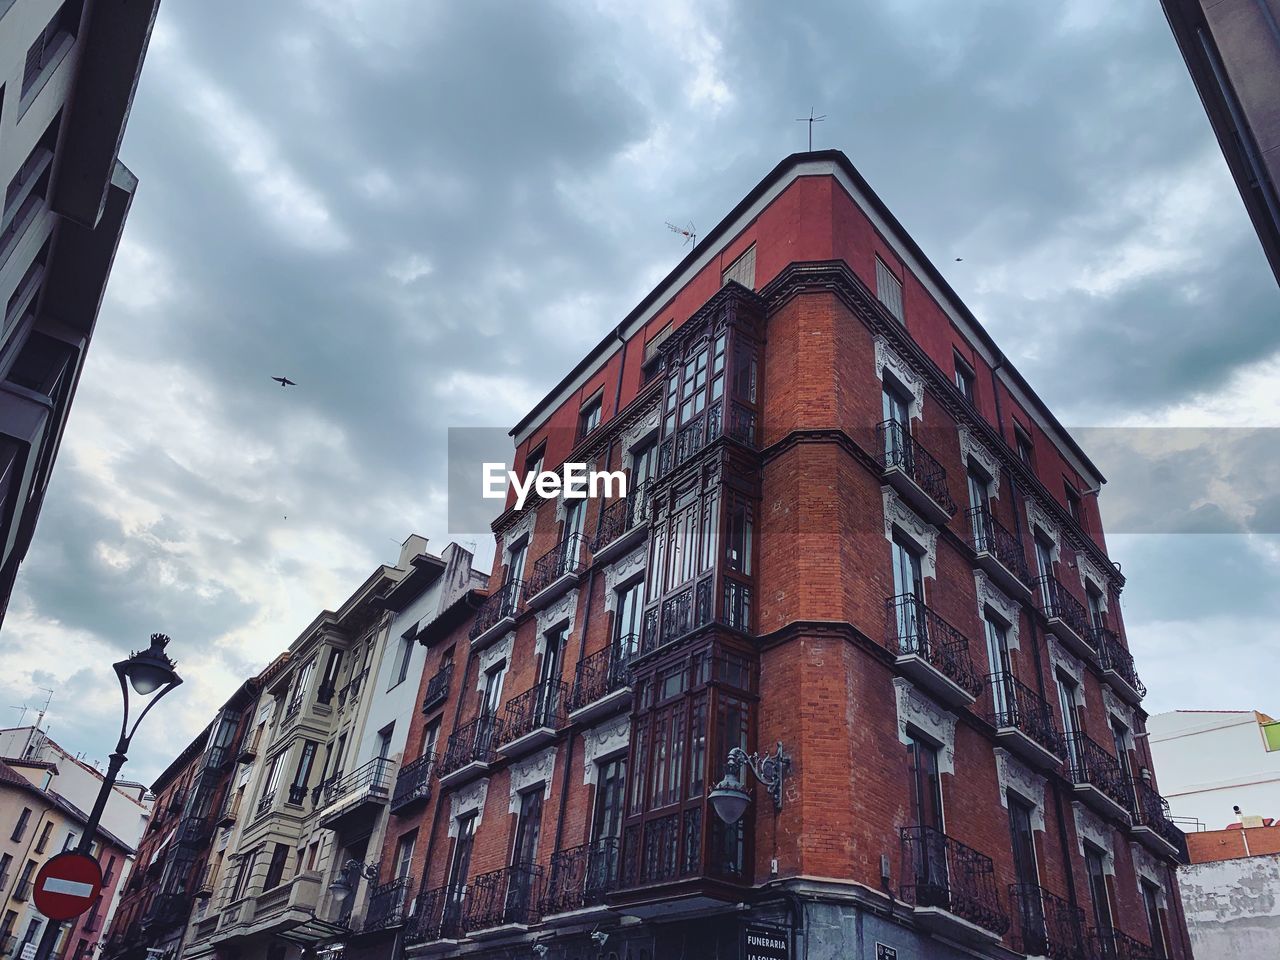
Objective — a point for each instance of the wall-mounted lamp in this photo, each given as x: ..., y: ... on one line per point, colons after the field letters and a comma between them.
x: 730, y: 797
x: 344, y: 884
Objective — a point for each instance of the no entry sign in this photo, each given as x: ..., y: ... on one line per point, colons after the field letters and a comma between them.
x: 67, y: 885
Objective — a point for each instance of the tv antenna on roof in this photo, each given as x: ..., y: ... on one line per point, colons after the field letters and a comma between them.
x: 690, y: 233
x: 811, y: 120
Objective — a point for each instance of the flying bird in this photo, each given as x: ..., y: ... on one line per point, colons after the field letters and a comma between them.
x: 284, y: 381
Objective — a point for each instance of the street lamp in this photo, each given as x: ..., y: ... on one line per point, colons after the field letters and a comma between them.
x: 729, y: 798
x: 344, y: 884
x: 151, y: 674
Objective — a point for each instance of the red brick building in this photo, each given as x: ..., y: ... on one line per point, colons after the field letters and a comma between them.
x: 853, y: 530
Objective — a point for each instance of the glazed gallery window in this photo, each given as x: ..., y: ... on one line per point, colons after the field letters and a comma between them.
x: 699, y: 383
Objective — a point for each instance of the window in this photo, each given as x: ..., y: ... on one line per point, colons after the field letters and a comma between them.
x: 69, y: 840
x: 1073, y: 503
x: 980, y: 510
x: 1097, y: 615
x: 644, y: 464
x: 611, y: 780
x: 1151, y: 903
x: 33, y: 930
x: 964, y: 378
x: 1095, y: 867
x: 302, y: 682
x: 302, y: 773
x: 20, y: 828
x: 10, y: 920
x: 924, y: 783
x: 515, y: 561
x: 403, y: 862
x: 1002, y: 700
x: 533, y: 462
x: 53, y: 42
x: 742, y: 270
x: 889, y: 290
x: 404, y: 654
x: 492, y: 694
x: 627, y: 620
x: 270, y: 785
x: 460, y: 865
x: 384, y: 740
x: 431, y: 738
x: 45, y: 833
x: 528, y: 826
x: 275, y: 869
x: 1123, y: 742
x: 330, y: 681
x: 31, y: 180
x: 1026, y: 452
x: 108, y: 873
x: 244, y: 874
x: 1044, y: 560
x: 895, y: 406
x: 82, y: 948
x: 1068, y: 696
x: 1024, y: 843
x: 6, y: 861
x: 589, y: 416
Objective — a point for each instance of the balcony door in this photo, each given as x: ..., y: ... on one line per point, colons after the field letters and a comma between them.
x: 895, y: 407
x: 1002, y: 700
x: 924, y: 786
x: 908, y: 591
x: 980, y: 507
x: 524, y: 854
x: 627, y: 621
x: 459, y: 867
x: 1027, y: 873
x: 489, y: 701
x: 606, y: 825
x: 1094, y: 861
x: 515, y: 561
x: 1068, y: 696
x: 549, y: 675
x: 1044, y: 569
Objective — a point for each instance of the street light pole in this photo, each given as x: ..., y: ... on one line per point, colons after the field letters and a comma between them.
x: 146, y: 671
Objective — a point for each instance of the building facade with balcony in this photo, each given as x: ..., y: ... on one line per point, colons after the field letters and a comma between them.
x: 853, y: 529
x: 69, y: 69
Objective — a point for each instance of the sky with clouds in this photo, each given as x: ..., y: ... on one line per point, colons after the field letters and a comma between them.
x: 425, y: 212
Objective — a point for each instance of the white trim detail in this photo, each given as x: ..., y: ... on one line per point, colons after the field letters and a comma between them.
x: 622, y: 569
x: 491, y: 655
x: 470, y: 797
x: 972, y: 449
x: 1119, y: 708
x: 1015, y: 775
x: 521, y: 529
x: 538, y: 768
x: 899, y: 516
x: 1147, y: 867
x: 917, y: 710
x: 1091, y: 827
x: 563, y: 611
x: 1090, y: 573
x: 991, y: 596
x: 599, y: 743
x: 888, y: 359
x: 1061, y: 659
x: 637, y: 432
x: 1038, y: 518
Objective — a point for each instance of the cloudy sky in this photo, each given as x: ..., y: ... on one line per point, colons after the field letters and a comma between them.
x: 425, y: 212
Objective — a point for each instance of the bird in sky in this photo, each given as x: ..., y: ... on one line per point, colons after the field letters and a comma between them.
x: 284, y: 381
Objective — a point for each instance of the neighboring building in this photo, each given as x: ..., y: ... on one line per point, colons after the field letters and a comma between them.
x: 1229, y: 893
x: 67, y: 75
x: 36, y: 823
x: 1217, y: 765
x: 1232, y: 48
x: 799, y: 405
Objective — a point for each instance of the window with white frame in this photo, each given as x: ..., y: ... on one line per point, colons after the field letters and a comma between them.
x: 889, y: 290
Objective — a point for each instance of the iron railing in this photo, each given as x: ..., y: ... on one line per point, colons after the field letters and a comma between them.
x: 1011, y: 703
x: 1115, y: 657
x: 989, y: 535
x: 566, y: 557
x: 249, y: 746
x: 1045, y: 925
x: 581, y: 876
x: 1057, y: 604
x: 694, y: 607
x: 501, y: 897
x: 542, y: 705
x: 231, y: 811
x: 388, y: 904
x: 665, y: 848
x: 437, y: 915
x: 603, y: 672
x: 1151, y: 810
x: 1111, y: 944
x: 470, y: 743
x: 912, y: 628
x: 21, y: 891
x: 351, y: 689
x: 413, y: 782
x: 942, y: 872
x: 193, y: 830
x: 1091, y: 764
x: 502, y: 603
x: 622, y: 515
x: 438, y: 688
x: 898, y: 449
x: 373, y: 777
x: 293, y: 709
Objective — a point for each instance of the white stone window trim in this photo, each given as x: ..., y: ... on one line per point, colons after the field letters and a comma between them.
x: 1038, y: 519
x: 562, y: 613
x: 529, y: 772
x: 522, y: 529
x: 637, y: 433
x: 1116, y: 707
x: 1148, y: 868
x: 466, y: 799
x: 499, y: 652
x: 972, y: 451
x: 1091, y: 827
x: 1063, y: 661
x: 622, y: 570
x: 900, y: 518
x: 991, y: 599
x: 888, y: 359
x: 608, y: 740
x: 1013, y: 774
x: 917, y: 711
x: 1089, y: 573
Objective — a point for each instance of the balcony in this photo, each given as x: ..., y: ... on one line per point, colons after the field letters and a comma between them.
x: 231, y: 812
x: 1117, y: 666
x: 249, y: 747
x: 469, y: 751
x: 1045, y: 925
x: 437, y: 917
x: 556, y: 571
x: 413, y: 783
x: 998, y: 552
x: 389, y: 905
x: 931, y: 651
x: 438, y: 688
x: 1106, y: 944
x: 532, y: 719
x: 497, y: 614
x: 951, y: 887
x: 205, y: 886
x: 1152, y: 825
x: 602, y: 681
x: 622, y: 524
x: 21, y: 891
x: 912, y: 471
x: 352, y: 802
x: 293, y: 709
x: 695, y: 607
x: 701, y: 431
x: 503, y: 899
x: 579, y: 878
x: 168, y: 910
x: 349, y: 693
x: 1024, y: 721
x: 193, y: 831
x: 1099, y: 779
x: 1066, y: 617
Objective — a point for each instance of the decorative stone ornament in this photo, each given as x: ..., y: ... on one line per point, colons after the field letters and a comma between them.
x: 602, y: 742
x: 888, y: 360
x: 1015, y: 775
x: 915, y: 709
x: 529, y: 772
x: 464, y: 800
x: 901, y: 518
x: 972, y: 451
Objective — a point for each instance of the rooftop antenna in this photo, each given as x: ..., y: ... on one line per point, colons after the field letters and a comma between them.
x: 22, y: 712
x: 811, y: 120
x: 690, y: 233
x: 29, y: 749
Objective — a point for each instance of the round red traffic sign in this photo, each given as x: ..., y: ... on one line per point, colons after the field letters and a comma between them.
x: 67, y: 885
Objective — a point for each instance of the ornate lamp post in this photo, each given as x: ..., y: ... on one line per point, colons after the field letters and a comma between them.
x: 730, y: 797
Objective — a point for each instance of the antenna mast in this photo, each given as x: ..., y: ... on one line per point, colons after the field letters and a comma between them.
x: 811, y: 120
x: 690, y: 233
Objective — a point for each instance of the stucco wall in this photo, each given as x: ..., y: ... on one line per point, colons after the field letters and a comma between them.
x: 1233, y: 908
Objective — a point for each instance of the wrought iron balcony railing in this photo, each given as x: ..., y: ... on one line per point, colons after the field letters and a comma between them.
x: 388, y: 904
x: 989, y: 535
x: 696, y: 606
x: 1057, y: 604
x: 603, y: 672
x: 542, y: 705
x: 231, y: 812
x: 565, y: 558
x: 470, y: 743
x: 437, y: 915
x: 293, y: 709
x: 625, y: 513
x: 502, y: 603
x: 249, y: 746
x: 21, y: 891
x: 351, y: 690
x: 193, y: 830
x: 1111, y: 944
x: 912, y: 629
x: 666, y: 848
x: 1151, y: 810
x: 700, y: 431
x: 581, y: 876
x: 1011, y: 703
x: 1091, y: 765
x: 1045, y: 925
x: 373, y: 778
x: 413, y: 782
x: 898, y: 449
x: 438, y: 688
x: 501, y: 897
x: 1116, y: 658
x: 942, y: 872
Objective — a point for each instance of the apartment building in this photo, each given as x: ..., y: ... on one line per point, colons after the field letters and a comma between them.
x: 36, y: 823
x: 857, y: 544
x: 67, y: 75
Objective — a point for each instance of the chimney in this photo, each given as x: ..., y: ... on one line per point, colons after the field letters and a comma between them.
x: 412, y: 546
